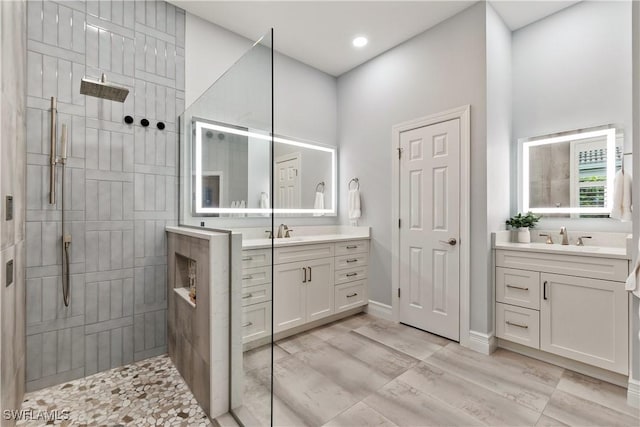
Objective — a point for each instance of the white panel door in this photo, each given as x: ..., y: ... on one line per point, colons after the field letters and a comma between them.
x: 429, y: 234
x: 288, y: 182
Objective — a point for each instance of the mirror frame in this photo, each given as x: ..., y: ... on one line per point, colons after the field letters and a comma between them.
x: 199, y: 210
x: 524, y: 144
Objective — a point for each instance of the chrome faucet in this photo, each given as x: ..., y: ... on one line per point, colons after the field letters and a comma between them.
x: 580, y: 242
x: 282, y: 231
x: 565, y: 235
x: 549, y: 238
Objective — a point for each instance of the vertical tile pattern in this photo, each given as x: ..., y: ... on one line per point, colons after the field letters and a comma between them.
x: 120, y: 183
x: 13, y: 152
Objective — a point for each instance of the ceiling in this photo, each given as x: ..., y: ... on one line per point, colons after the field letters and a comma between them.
x: 319, y: 33
x: 517, y: 14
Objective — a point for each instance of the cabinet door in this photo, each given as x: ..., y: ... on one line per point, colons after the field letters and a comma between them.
x: 586, y: 320
x: 319, y: 286
x: 289, y: 295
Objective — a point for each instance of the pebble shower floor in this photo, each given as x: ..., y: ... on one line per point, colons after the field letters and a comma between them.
x: 149, y: 392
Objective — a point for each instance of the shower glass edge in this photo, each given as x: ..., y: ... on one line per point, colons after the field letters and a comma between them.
x: 241, y: 98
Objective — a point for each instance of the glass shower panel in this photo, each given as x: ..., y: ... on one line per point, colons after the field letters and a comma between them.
x: 226, y: 151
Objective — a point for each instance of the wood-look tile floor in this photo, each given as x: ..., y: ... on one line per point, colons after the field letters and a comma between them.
x: 364, y: 371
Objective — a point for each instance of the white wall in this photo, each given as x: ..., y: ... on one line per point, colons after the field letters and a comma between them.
x: 305, y: 99
x: 437, y: 70
x: 572, y: 70
x: 500, y: 172
x: 209, y: 51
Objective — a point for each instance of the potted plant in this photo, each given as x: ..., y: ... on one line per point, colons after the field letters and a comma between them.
x: 522, y: 223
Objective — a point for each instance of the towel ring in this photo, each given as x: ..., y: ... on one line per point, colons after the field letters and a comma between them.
x: 356, y: 181
x: 320, y: 187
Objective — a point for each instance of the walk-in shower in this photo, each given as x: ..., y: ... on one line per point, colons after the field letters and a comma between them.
x: 100, y: 89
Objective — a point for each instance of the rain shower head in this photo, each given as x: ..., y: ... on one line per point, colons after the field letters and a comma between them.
x: 104, y: 90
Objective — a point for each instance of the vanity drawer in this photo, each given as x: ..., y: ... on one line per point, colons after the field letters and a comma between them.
x: 256, y: 258
x: 350, y: 275
x: 350, y: 295
x: 256, y: 276
x: 518, y: 287
x: 303, y: 253
x: 350, y: 261
x: 354, y: 247
x: 256, y: 321
x: 517, y: 324
x: 256, y: 294
x: 573, y: 265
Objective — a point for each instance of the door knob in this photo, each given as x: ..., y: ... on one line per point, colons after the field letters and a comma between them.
x: 451, y: 241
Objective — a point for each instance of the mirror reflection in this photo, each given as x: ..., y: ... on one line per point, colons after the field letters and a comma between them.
x: 571, y: 173
x: 231, y: 173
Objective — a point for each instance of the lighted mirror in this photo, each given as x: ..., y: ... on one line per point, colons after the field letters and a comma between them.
x: 570, y: 173
x: 231, y: 173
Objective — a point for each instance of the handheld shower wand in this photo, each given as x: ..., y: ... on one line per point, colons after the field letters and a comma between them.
x: 54, y: 160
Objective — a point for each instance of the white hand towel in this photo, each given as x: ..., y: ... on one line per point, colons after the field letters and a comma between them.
x: 264, y: 202
x: 622, y: 197
x: 632, y: 284
x: 354, y: 205
x: 318, y: 203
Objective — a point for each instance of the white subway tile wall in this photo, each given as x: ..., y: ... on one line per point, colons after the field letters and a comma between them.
x: 121, y: 183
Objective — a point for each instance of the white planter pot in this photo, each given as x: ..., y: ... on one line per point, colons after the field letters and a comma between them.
x: 524, y: 235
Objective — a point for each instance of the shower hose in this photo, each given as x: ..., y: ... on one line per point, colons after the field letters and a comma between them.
x: 66, y: 241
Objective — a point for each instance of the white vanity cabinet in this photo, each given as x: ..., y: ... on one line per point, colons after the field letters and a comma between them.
x: 573, y: 306
x: 303, y: 292
x: 310, y: 282
x: 303, y: 288
x: 586, y: 320
x: 256, y: 294
x: 352, y: 261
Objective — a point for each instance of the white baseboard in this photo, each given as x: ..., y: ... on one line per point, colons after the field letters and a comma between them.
x: 380, y: 310
x: 482, y: 343
x: 633, y: 393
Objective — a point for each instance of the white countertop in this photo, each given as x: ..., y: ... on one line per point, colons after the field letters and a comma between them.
x: 199, y: 233
x: 301, y: 240
x: 592, y: 251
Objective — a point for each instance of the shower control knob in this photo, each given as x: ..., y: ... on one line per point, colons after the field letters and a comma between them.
x: 128, y: 119
x: 144, y: 122
x: 160, y: 125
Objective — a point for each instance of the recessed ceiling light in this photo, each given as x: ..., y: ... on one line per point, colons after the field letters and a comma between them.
x: 360, y: 41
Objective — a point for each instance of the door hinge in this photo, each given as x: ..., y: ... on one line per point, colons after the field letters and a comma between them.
x: 399, y: 152
x: 398, y: 292
x: 399, y: 223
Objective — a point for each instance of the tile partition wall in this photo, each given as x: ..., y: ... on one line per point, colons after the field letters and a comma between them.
x: 121, y: 183
x: 12, y: 183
